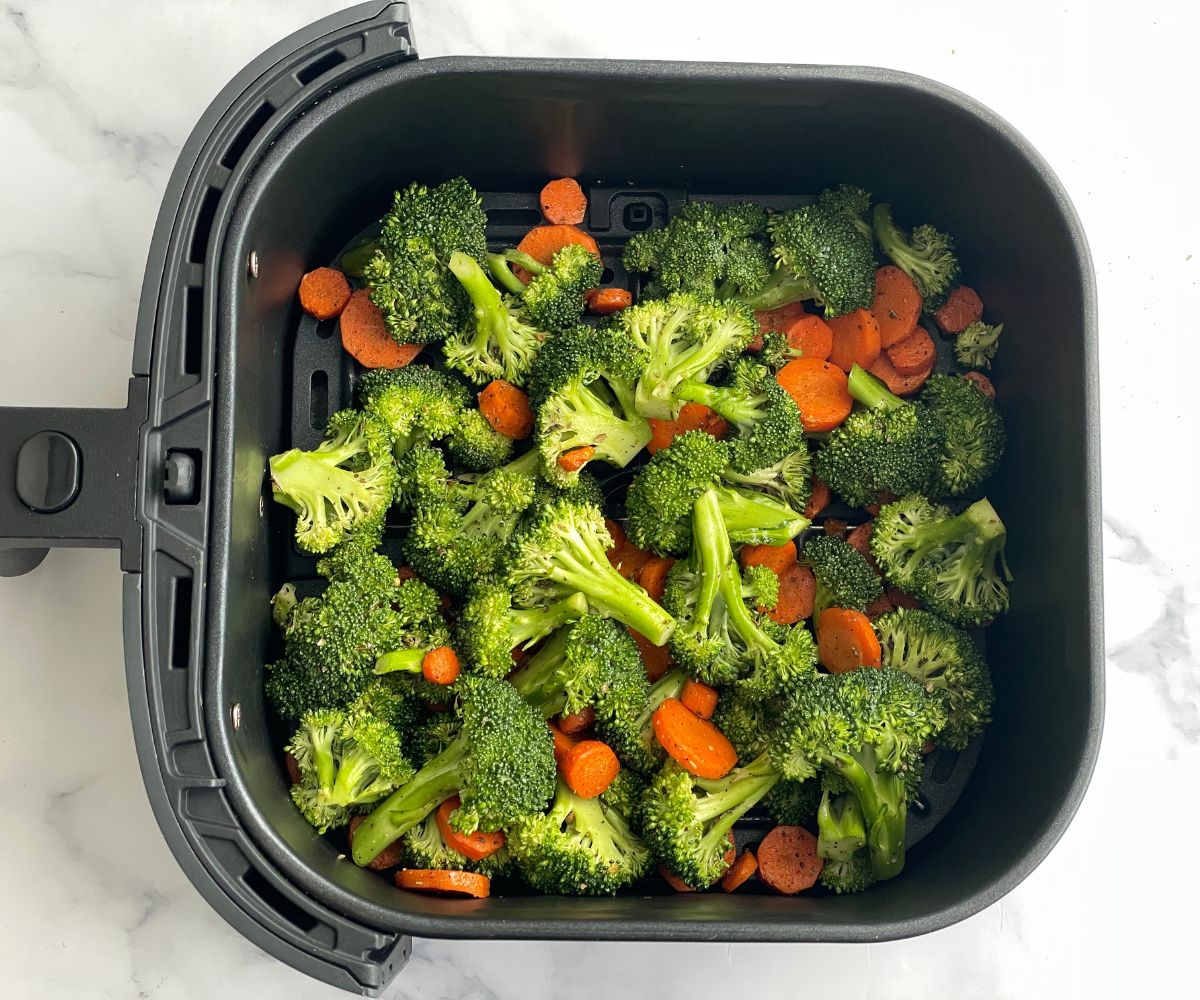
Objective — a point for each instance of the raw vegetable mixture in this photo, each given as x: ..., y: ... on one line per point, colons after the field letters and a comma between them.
x: 575, y: 690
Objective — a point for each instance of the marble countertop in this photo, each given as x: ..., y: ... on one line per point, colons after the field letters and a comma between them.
x: 95, y: 101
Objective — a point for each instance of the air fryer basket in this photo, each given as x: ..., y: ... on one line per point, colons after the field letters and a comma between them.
x: 295, y: 158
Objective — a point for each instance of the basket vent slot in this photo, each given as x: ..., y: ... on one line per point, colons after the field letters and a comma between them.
x: 318, y: 400
x: 524, y: 218
x: 193, y: 330
x: 181, y: 623
x: 204, y: 223
x: 320, y: 67
x: 242, y: 140
x: 277, y: 901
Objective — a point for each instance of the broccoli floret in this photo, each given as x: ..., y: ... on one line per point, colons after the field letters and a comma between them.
x: 419, y: 608
x: 624, y: 794
x: 647, y: 753
x: 501, y: 765
x: 765, y: 417
x: 705, y: 250
x: 417, y: 403
x: 890, y: 445
x: 501, y: 342
x: 793, y: 803
x: 866, y: 728
x: 719, y: 639
x: 421, y: 473
x: 954, y: 565
x: 841, y: 839
x: 844, y: 577
x: 852, y: 875
x: 971, y: 434
x: 425, y: 847
x: 347, y: 760
x: 580, y: 847
x: 554, y: 298
x: 687, y: 820
x: 977, y: 345
x: 331, y: 642
x: 661, y: 496
x: 789, y: 480
x: 745, y: 722
x: 685, y: 339
x: 475, y: 445
x: 582, y: 388
x: 562, y: 549
x: 820, y: 254
x: 343, y: 487
x: 409, y: 277
x: 490, y: 628
x: 760, y: 587
x: 925, y: 255
x: 851, y: 201
x: 947, y: 663
x: 432, y: 734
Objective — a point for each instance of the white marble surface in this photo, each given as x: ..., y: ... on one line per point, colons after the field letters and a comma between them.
x: 95, y: 99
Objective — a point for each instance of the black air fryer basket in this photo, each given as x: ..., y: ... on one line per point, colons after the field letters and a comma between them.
x: 297, y: 157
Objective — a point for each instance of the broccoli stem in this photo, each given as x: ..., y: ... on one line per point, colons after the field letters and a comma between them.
x: 756, y: 519
x: 409, y: 804
x: 322, y: 756
x: 782, y: 289
x: 870, y: 391
x: 728, y: 799
x: 353, y: 787
x: 980, y: 520
x: 841, y: 830
x: 491, y: 318
x: 527, y: 627
x: 881, y: 797
x: 540, y: 681
x: 498, y: 268
x: 736, y: 407
x: 400, y: 661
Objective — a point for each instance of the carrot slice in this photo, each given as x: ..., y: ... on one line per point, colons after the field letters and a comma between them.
x: 473, y: 846
x: 574, y: 723
x: 692, y: 417
x: 982, y: 383
x: 507, y: 409
x: 699, y: 698
x: 563, y: 202
x: 897, y: 305
x: 880, y: 606
x: 900, y: 599
x: 775, y: 321
x: 788, y: 861
x: 653, y: 576
x: 444, y: 882
x: 860, y: 539
x: 589, y: 767
x: 655, y: 659
x: 913, y: 354
x: 962, y: 307
x: 835, y: 527
x: 673, y: 880
x: 776, y: 558
x: 810, y: 337
x: 619, y: 538
x: 696, y: 744
x: 576, y: 458
x: 324, y: 292
x: 901, y: 385
x: 295, y: 776
x: 543, y: 242
x: 562, y: 743
x: 797, y: 590
x: 440, y: 666
x: 365, y: 336
x: 846, y: 640
x: 389, y: 857
x: 629, y: 560
x: 820, y: 498
x: 740, y: 871
x: 606, y: 301
x: 820, y: 391
x: 855, y: 339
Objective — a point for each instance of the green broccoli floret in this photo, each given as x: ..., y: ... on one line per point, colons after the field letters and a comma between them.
x: 475, y: 445
x: 719, y: 640
x: 661, y: 496
x: 425, y: 847
x: 890, y: 445
x: 765, y: 417
x: 925, y: 255
x: 501, y: 765
x: 419, y: 608
x: 554, y: 298
x: 580, y: 847
x: 421, y: 472
x: 490, y: 628
x: 685, y: 339
x: 793, y: 803
x: 409, y: 277
x: 347, y: 760
x: 866, y: 728
x: 852, y: 875
x: 340, y: 489
x: 977, y: 345
x: 331, y: 642
x: 582, y: 388
x: 947, y: 663
x: 501, y: 342
x: 841, y: 839
x: 844, y: 577
x: 747, y: 723
x: 417, y: 403
x: 562, y: 549
x: 705, y: 250
x: 433, y: 733
x: 789, y: 480
x: 971, y: 435
x: 820, y: 254
x: 647, y: 753
x: 851, y: 201
x: 687, y: 820
x: 955, y: 565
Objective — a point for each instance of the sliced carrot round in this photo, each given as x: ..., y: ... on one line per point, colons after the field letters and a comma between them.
x: 820, y: 498
x: 901, y: 385
x: 365, y: 335
x: 324, y: 292
x: 962, y: 307
x: 913, y: 354
x: 507, y: 409
x: 846, y: 641
x: 473, y: 846
x: 740, y: 871
x: 589, y: 767
x: 855, y: 339
x: 692, y: 417
x: 797, y: 591
x: 820, y: 391
x: 606, y: 301
x: 439, y: 882
x: 563, y: 201
x: 653, y: 576
x: 699, y: 698
x: 696, y: 744
x: 897, y: 305
x: 810, y: 337
x: 543, y: 242
x: 655, y: 659
x: 574, y: 723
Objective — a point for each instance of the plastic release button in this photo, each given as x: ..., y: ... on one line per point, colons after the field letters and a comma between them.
x: 48, y: 472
